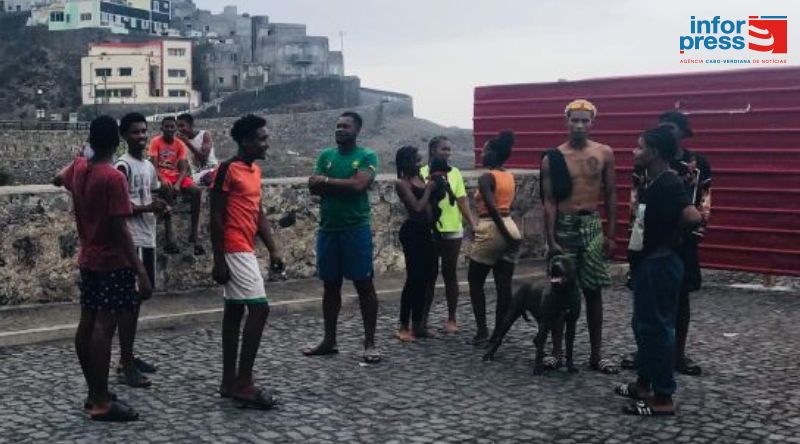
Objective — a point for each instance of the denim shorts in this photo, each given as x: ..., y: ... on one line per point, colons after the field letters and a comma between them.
x: 345, y: 254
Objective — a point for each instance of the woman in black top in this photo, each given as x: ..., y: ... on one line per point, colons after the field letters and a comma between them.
x: 416, y: 237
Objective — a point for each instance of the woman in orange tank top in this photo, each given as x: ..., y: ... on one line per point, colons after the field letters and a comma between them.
x: 497, y: 238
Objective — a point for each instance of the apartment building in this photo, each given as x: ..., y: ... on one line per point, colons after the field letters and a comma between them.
x: 152, y: 72
x: 120, y: 16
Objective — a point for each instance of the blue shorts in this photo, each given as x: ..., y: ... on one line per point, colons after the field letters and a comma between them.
x: 345, y: 254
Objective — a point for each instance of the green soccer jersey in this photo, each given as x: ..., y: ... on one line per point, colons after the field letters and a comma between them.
x: 343, y: 212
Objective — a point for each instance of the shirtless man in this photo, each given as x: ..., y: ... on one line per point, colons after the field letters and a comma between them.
x: 573, y: 177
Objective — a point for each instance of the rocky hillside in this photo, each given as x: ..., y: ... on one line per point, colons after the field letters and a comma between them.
x: 33, y: 157
x: 296, y: 139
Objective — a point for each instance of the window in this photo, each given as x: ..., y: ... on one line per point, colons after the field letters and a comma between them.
x: 176, y: 72
x: 67, y: 18
x: 177, y: 93
x: 102, y: 72
x: 56, y: 16
x: 233, y: 57
x: 86, y: 17
x: 125, y: 72
x: 122, y: 92
x: 221, y: 80
x: 177, y: 52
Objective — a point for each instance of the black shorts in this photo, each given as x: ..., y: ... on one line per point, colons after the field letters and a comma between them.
x: 148, y: 258
x: 108, y: 290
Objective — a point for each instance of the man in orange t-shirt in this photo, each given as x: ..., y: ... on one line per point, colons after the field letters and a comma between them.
x: 236, y: 218
x: 168, y: 154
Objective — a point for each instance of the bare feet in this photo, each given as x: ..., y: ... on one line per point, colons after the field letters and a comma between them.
x: 404, y: 334
x: 452, y: 327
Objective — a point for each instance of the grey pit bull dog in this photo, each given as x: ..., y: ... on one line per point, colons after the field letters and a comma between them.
x: 549, y: 301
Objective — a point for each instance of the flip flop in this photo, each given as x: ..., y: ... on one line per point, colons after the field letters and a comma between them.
x: 628, y: 362
x: 87, y: 405
x: 372, y: 357
x: 144, y: 366
x: 320, y: 351
x: 478, y: 341
x: 687, y: 367
x: 604, y: 366
x: 133, y: 378
x: 118, y: 412
x: 552, y: 363
x: 627, y: 391
x: 642, y: 408
x: 261, y: 400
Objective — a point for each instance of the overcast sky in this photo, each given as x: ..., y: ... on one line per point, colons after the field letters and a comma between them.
x: 439, y: 50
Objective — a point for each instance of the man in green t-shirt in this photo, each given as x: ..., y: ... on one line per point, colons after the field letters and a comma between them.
x: 344, y: 240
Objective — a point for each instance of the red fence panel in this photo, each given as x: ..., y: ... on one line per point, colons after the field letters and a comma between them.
x: 745, y: 122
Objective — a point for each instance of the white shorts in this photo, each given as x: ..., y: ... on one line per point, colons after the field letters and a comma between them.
x: 246, y: 284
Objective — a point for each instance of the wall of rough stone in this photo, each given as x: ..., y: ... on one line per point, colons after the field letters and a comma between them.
x: 34, y: 157
x: 39, y: 244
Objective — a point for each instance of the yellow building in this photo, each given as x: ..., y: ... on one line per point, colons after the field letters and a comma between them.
x: 152, y: 72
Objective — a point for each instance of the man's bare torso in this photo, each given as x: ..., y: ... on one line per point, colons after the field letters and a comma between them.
x: 586, y: 166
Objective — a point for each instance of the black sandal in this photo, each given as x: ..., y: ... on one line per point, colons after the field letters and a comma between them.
x: 372, y: 357
x: 87, y: 404
x: 604, y: 366
x: 118, y: 412
x: 628, y: 362
x: 199, y: 250
x: 687, y: 367
x: 144, y: 366
x: 261, y: 400
x: 552, y: 363
x: 642, y: 408
x: 320, y: 350
x: 628, y: 391
x: 134, y: 378
x: 172, y: 248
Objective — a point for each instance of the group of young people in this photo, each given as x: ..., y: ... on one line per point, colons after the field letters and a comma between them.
x: 116, y: 202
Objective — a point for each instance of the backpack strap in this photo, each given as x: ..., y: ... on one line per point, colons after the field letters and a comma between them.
x: 222, y: 173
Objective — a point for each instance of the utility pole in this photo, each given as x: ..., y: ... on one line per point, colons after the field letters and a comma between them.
x: 341, y: 41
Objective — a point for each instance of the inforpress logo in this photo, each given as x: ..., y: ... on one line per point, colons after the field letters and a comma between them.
x: 766, y: 33
x: 769, y: 33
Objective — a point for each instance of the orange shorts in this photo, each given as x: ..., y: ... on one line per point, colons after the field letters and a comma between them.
x: 185, y: 183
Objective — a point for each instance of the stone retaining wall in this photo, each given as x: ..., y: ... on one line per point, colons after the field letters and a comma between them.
x: 39, y: 244
x: 34, y: 157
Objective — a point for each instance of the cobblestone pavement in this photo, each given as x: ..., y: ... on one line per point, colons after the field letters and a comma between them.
x: 432, y: 391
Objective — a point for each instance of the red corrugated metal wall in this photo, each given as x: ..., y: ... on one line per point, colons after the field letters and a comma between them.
x: 746, y: 122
